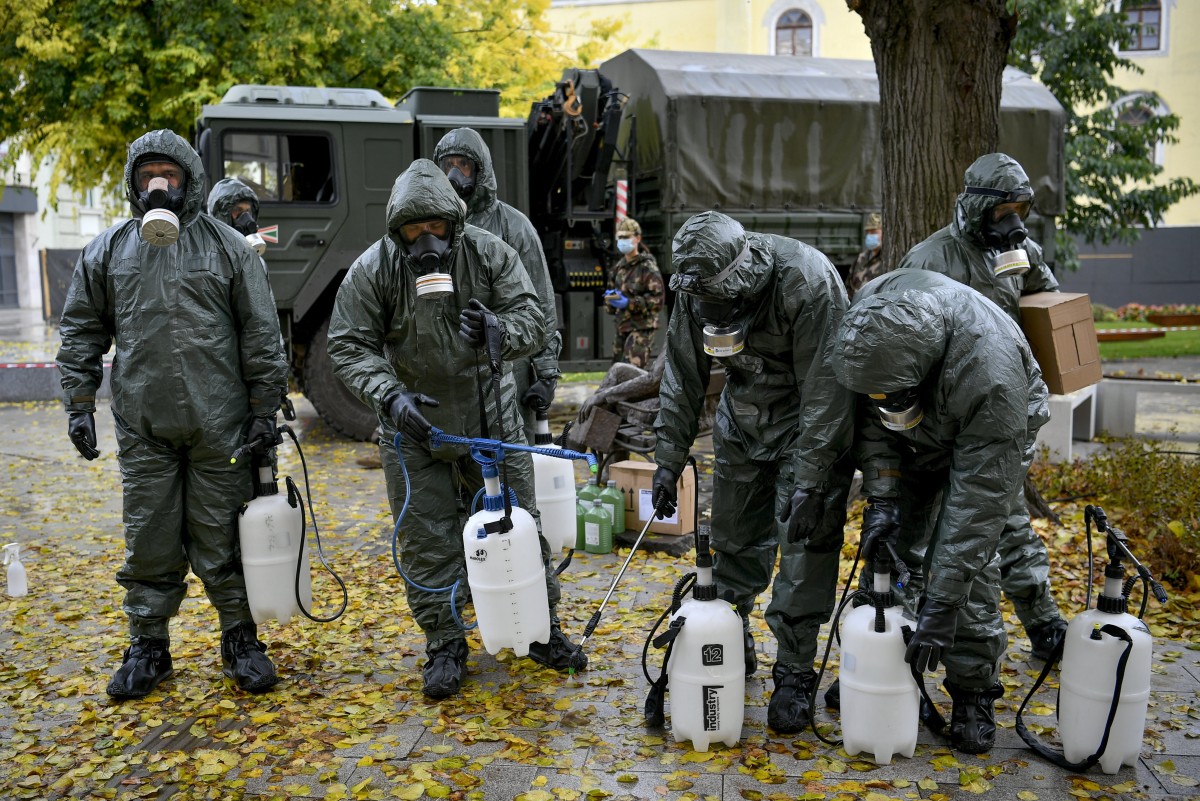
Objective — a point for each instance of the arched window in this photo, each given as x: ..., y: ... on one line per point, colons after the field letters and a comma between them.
x: 1145, y: 25
x: 1138, y: 109
x: 794, y: 34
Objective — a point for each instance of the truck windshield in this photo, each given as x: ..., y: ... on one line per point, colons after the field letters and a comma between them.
x: 281, y: 168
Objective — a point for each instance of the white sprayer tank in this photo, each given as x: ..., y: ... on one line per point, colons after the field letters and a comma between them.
x: 554, y: 488
x: 1086, y: 684
x: 880, y: 702
x: 269, y: 530
x: 507, y: 578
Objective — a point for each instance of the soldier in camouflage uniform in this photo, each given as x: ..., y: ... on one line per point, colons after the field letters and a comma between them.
x: 636, y: 297
x: 869, y: 263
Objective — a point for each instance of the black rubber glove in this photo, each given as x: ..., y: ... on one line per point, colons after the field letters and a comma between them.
x: 881, y: 524
x: 262, y: 428
x: 935, y: 634
x: 803, y: 512
x: 665, y: 494
x: 81, y: 428
x: 473, y: 322
x: 540, y: 394
x: 402, y: 408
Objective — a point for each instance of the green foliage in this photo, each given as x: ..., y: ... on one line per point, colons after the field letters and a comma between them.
x: 1150, y: 493
x: 1071, y: 46
x: 1104, y: 314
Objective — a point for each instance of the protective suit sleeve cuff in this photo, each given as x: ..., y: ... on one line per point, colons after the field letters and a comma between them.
x: 670, y: 459
x: 948, y: 591
x: 881, y: 481
x: 80, y: 403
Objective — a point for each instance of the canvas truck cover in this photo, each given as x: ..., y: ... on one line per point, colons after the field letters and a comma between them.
x: 768, y: 133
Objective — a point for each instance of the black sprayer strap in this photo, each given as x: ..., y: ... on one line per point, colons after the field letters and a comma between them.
x: 1042, y: 750
x: 932, y: 718
x: 656, y: 698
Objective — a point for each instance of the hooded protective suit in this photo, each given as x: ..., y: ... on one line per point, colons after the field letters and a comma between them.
x: 958, y: 251
x: 197, y: 355
x: 782, y: 420
x: 382, y: 338
x: 487, y: 211
x: 958, y: 474
x: 227, y: 193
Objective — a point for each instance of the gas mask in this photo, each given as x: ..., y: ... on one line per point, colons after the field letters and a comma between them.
x: 464, y: 184
x: 427, y: 252
x: 723, y: 333
x: 1003, y: 229
x: 247, y: 226
x: 160, y: 225
x: 899, y: 411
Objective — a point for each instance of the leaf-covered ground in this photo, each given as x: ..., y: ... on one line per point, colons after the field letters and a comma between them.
x: 350, y: 721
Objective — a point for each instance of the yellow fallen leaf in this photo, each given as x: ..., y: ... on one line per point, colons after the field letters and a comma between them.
x: 927, y: 784
x: 409, y: 793
x: 1027, y: 795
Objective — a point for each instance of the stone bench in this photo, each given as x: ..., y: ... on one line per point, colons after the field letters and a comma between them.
x: 1116, y: 411
x: 1072, y: 417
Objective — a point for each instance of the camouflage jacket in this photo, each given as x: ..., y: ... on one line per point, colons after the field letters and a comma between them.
x: 642, y: 283
x: 867, y: 266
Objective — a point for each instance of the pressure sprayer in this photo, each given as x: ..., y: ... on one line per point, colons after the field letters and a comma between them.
x: 703, y: 670
x: 272, y: 534
x: 17, y: 583
x: 503, y: 554
x: 1104, y: 685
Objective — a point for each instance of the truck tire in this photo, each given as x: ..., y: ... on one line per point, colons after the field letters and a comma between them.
x: 338, y: 407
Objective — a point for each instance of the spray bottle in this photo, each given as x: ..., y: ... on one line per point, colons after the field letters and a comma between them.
x: 880, y: 700
x: 554, y: 488
x: 18, y: 586
x: 1104, y: 684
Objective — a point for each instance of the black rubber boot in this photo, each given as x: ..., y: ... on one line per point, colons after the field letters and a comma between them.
x: 748, y: 646
x: 244, y: 659
x: 147, y: 662
x: 560, y: 653
x: 790, y: 709
x: 973, y: 719
x: 445, y: 669
x: 1045, y: 637
x: 833, y: 695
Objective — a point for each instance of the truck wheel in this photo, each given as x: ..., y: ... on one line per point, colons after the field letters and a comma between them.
x: 338, y: 407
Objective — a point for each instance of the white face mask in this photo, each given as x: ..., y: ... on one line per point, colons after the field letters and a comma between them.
x: 625, y: 246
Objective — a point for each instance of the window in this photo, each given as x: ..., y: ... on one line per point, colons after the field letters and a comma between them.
x: 281, y: 168
x: 794, y: 34
x: 1145, y: 25
x: 1139, y: 109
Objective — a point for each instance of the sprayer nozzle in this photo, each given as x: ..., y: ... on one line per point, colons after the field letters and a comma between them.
x: 594, y: 468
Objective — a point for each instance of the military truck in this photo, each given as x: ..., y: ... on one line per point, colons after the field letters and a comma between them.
x: 787, y: 146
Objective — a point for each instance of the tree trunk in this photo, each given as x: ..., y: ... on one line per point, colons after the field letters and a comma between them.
x: 940, y: 65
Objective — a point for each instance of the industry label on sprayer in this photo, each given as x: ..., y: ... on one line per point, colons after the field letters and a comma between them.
x: 712, y: 654
x: 711, y: 694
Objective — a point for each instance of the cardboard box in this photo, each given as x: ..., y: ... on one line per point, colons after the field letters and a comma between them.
x: 1062, y: 335
x: 634, y: 478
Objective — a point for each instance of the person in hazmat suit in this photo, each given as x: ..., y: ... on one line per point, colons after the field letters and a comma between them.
x: 950, y: 401
x: 766, y: 308
x: 464, y: 157
x: 987, y: 248
x: 236, y: 205
x: 197, y: 371
x: 405, y: 336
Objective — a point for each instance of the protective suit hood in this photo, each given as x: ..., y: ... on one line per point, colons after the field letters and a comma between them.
x: 423, y: 191
x: 173, y: 146
x: 992, y: 171
x: 707, y: 244
x: 467, y: 142
x: 227, y: 193
x: 866, y: 357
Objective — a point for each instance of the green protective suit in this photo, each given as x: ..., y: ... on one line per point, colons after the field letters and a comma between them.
x: 958, y: 473
x: 226, y: 194
x: 958, y: 250
x: 782, y: 421
x: 197, y: 354
x: 487, y: 211
x: 382, y: 338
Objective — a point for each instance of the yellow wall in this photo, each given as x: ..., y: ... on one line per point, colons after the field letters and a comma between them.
x: 725, y: 26
x: 1173, y: 74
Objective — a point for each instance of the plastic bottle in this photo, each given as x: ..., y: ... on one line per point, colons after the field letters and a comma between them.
x: 17, y: 582
x: 597, y: 529
x: 269, y: 531
x: 706, y: 679
x: 589, y: 491
x: 504, y: 569
x: 880, y: 702
x: 581, y: 510
x: 614, y: 501
x: 1088, y: 679
x: 554, y: 488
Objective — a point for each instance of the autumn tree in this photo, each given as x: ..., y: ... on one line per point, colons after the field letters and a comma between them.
x: 1113, y: 183
x: 940, y: 64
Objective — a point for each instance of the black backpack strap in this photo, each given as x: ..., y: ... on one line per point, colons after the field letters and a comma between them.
x: 1043, y: 750
x: 656, y: 698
